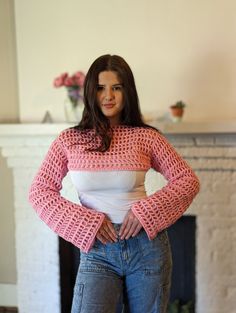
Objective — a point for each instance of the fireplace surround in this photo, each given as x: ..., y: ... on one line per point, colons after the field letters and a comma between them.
x: 209, y: 149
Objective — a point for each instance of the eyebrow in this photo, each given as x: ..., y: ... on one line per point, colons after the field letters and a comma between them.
x: 112, y: 85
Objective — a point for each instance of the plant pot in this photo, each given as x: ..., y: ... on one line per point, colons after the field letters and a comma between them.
x: 176, y: 113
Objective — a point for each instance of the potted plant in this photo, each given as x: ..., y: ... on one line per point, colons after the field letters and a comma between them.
x: 177, y: 110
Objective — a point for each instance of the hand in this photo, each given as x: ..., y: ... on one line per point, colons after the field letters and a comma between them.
x: 130, y: 226
x: 106, y: 232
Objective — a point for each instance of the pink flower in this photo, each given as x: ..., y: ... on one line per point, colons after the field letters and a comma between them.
x: 76, y: 80
x: 60, y: 81
x: 69, y: 82
x: 73, y: 84
x: 79, y: 78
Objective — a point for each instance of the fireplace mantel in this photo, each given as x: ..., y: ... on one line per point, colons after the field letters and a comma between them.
x: 219, y: 127
x: 210, y: 148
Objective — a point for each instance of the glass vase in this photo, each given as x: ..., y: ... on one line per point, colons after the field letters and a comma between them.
x: 73, y: 111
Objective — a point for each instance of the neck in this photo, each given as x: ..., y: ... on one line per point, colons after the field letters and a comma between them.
x: 114, y: 121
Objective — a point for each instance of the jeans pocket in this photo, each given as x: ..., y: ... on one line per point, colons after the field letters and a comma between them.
x: 95, y: 260
x: 97, y: 251
x: 77, y: 298
x: 156, y: 255
x: 160, y: 242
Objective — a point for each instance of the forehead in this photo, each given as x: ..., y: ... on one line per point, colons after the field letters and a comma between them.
x: 108, y: 77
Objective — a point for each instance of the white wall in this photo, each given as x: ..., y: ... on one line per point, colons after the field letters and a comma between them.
x: 177, y: 49
x: 8, y: 274
x: 7, y: 242
x: 8, y: 80
x: 8, y: 113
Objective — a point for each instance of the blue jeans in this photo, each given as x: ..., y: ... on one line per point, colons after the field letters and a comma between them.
x: 134, y: 272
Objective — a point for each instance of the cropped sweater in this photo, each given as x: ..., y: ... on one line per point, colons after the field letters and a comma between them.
x: 132, y: 148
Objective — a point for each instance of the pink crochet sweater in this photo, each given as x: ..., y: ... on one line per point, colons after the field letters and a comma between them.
x: 131, y: 149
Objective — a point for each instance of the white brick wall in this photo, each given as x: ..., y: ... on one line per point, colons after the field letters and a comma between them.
x: 36, y: 246
x: 212, y: 156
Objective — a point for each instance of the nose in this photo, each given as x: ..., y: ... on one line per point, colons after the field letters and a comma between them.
x: 109, y: 94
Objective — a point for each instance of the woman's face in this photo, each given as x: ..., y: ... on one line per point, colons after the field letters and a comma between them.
x: 110, y: 96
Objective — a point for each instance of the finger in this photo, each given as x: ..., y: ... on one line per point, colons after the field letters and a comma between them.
x: 137, y: 230
x: 101, y: 238
x: 132, y: 229
x: 102, y: 233
x: 109, y: 228
x: 107, y: 234
x: 123, y: 226
x: 111, y: 231
x: 127, y: 228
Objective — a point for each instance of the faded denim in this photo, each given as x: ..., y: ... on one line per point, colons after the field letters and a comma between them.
x: 136, y: 272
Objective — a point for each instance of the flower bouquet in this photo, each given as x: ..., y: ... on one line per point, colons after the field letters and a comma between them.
x: 74, y: 86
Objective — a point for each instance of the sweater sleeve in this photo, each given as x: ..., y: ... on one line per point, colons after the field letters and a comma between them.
x: 163, y: 208
x: 75, y: 223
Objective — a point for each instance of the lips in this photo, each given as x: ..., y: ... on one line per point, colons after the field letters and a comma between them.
x: 108, y: 105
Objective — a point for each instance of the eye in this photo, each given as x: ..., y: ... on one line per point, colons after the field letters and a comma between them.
x: 99, y: 88
x: 117, y: 88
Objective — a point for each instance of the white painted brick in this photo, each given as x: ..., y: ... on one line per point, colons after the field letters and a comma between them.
x: 212, y: 209
x: 208, y: 152
x: 26, y: 141
x: 25, y: 151
x: 205, y: 140
x: 215, y: 263
x: 221, y: 295
x: 38, y: 266
x: 225, y: 140
x: 207, y: 198
x: 216, y: 251
x: 214, y: 164
x: 216, y: 188
x: 180, y: 140
x: 232, y: 201
x: 26, y: 162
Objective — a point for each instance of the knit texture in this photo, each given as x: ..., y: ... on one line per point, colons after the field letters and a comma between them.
x: 132, y: 148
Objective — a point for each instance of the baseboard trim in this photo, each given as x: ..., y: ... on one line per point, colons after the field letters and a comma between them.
x: 8, y: 295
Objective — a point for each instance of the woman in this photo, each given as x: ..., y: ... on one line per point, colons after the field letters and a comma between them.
x: 120, y: 231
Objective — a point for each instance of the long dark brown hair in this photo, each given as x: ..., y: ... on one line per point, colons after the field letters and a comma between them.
x: 93, y: 117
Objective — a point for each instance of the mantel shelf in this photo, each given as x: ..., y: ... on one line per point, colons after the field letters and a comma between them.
x: 27, y: 129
